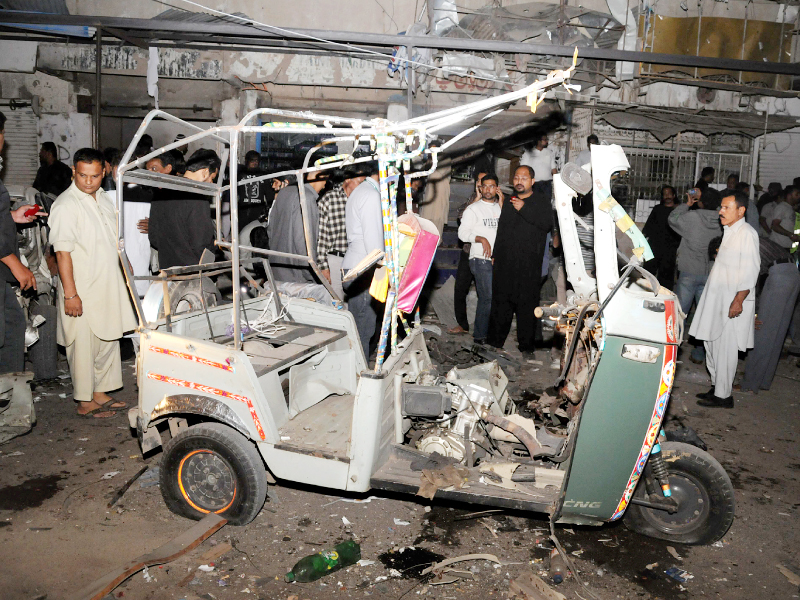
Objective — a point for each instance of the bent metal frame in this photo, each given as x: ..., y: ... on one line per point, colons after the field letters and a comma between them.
x: 391, y: 144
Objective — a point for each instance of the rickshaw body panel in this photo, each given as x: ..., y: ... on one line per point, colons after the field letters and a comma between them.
x: 621, y: 419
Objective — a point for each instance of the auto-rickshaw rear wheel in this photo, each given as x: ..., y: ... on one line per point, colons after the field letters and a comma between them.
x: 704, y: 494
x: 210, y: 467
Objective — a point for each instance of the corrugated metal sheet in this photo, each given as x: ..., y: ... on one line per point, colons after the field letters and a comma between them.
x: 21, y: 153
x: 57, y: 7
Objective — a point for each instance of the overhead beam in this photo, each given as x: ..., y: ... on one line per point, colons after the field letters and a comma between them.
x: 256, y: 33
x: 134, y: 41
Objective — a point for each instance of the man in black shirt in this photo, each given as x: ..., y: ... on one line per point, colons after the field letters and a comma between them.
x: 255, y: 199
x: 53, y: 176
x: 525, y: 220
x: 180, y: 226
x: 663, y: 240
x: 12, y: 274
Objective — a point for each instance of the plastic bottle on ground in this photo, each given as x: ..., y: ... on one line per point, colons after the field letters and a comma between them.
x: 558, y: 569
x: 320, y: 564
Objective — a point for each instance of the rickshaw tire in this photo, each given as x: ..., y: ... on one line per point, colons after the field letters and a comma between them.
x: 233, y: 459
x: 689, y: 464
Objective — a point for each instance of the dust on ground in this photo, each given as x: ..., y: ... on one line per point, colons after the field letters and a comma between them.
x: 57, y: 534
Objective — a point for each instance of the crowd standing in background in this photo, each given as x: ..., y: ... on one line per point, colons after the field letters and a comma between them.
x: 722, y: 253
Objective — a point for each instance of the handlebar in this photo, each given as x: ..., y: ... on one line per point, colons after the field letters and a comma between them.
x: 547, y: 311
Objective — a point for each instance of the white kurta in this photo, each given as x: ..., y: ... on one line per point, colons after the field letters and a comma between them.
x: 735, y: 269
x: 137, y: 244
x: 87, y: 229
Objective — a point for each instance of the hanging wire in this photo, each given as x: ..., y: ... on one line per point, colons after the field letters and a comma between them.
x: 274, y: 28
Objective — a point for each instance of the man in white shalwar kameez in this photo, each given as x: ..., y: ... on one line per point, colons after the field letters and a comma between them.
x: 725, y: 317
x: 94, y: 305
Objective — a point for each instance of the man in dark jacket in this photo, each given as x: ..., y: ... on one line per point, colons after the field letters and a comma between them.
x: 12, y: 274
x: 255, y: 199
x: 525, y: 220
x: 53, y: 176
x: 180, y: 225
x: 663, y: 239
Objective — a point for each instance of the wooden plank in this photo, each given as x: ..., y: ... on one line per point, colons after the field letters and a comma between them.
x: 530, y: 587
x: 168, y: 552
x: 215, y: 552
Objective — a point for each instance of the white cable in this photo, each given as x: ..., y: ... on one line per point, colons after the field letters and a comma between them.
x: 266, y: 324
x: 253, y: 23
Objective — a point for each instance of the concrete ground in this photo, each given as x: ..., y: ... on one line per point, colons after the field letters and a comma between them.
x: 57, y: 535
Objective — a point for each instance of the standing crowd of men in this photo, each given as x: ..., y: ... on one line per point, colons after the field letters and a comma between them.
x: 735, y: 259
x: 725, y: 247
x: 340, y: 224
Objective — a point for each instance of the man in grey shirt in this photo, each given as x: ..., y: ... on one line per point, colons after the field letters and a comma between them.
x: 286, y: 232
x: 697, y: 228
x: 364, y: 222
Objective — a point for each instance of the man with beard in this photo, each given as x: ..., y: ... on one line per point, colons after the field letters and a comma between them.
x: 479, y: 229
x: 664, y: 241
x: 525, y: 220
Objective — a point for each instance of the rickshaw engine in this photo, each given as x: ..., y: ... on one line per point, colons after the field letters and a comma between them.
x: 458, y: 435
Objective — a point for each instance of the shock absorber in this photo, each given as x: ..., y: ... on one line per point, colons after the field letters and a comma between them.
x: 659, y: 468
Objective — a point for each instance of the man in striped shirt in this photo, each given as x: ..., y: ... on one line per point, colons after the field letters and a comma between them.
x: 332, y: 241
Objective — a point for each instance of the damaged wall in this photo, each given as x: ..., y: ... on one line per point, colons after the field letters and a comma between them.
x: 69, y: 133
x: 59, y: 121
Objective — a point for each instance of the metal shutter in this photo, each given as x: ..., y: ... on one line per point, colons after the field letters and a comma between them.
x: 779, y: 159
x: 21, y: 153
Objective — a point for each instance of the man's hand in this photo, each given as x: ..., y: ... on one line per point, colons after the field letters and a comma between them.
x: 518, y: 204
x: 487, y: 247
x: 500, y: 197
x: 143, y: 225
x: 73, y: 307
x: 326, y: 273
x: 24, y: 275
x: 279, y: 184
x: 759, y: 324
x: 736, y: 309
x: 19, y: 214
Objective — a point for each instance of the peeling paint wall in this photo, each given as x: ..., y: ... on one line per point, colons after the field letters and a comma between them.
x: 68, y: 132
x: 55, y: 95
x: 183, y: 64
x: 189, y: 64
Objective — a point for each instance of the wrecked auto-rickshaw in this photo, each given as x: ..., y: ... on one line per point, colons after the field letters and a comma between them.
x: 266, y: 388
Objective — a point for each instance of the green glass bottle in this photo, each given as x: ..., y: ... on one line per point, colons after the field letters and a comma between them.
x: 315, y: 566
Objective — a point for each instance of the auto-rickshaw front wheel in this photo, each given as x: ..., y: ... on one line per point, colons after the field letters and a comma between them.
x: 703, y: 492
x: 210, y: 467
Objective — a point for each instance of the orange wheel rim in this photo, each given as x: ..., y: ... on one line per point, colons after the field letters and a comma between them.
x: 185, y: 494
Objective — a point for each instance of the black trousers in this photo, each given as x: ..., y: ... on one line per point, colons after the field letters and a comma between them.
x: 504, y: 306
x: 463, y: 281
x: 12, y: 331
x: 663, y: 267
